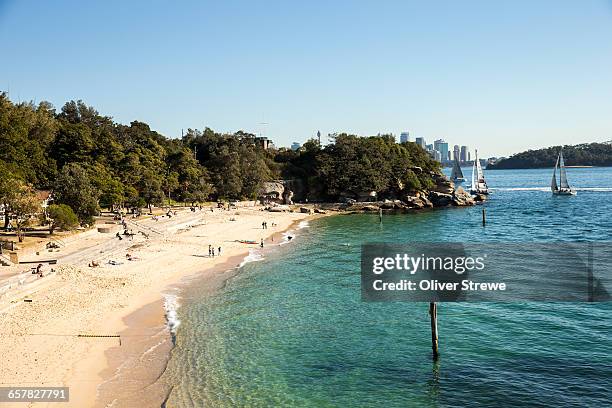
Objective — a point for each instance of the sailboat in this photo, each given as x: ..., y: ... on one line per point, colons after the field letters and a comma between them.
x: 563, y: 188
x: 479, y: 185
x: 457, y: 174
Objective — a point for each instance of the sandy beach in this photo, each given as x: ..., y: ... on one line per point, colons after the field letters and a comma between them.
x: 40, y: 339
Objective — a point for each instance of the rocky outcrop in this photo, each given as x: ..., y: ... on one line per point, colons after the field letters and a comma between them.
x: 361, y: 196
x: 288, y: 197
x: 281, y: 192
x: 306, y: 210
x: 462, y: 198
x: 417, y: 201
x: 442, y: 184
x: 479, y: 198
x: 440, y: 199
x: 278, y: 208
x: 392, y: 205
x: 272, y: 191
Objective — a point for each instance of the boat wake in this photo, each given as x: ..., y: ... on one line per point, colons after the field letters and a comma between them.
x: 547, y: 189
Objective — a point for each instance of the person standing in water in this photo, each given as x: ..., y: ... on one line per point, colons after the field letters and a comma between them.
x: 261, y: 244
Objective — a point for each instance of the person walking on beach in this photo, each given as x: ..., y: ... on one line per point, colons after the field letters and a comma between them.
x: 261, y: 244
x: 263, y: 225
x: 209, y: 250
x: 219, y: 251
x: 213, y: 252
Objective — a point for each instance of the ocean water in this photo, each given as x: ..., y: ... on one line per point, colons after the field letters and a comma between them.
x: 291, y: 330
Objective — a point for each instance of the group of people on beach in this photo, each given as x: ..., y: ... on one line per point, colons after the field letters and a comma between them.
x: 264, y: 225
x: 211, y: 251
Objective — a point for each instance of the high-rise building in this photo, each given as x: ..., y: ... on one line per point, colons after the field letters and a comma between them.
x: 434, y: 154
x: 464, y: 154
x: 421, y: 142
x: 404, y: 137
x: 457, y: 153
x: 441, y: 146
x: 295, y: 146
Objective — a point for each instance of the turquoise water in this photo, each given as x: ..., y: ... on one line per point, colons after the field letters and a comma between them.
x: 291, y: 329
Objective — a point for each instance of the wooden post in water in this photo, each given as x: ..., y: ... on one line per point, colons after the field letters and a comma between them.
x: 484, y: 217
x: 433, y: 316
x: 380, y: 214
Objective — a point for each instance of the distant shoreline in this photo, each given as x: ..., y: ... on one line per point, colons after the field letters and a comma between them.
x: 551, y: 167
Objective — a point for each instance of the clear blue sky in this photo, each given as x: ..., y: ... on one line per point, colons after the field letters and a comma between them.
x: 502, y: 76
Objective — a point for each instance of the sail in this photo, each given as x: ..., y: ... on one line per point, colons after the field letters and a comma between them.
x: 473, y: 187
x: 457, y: 173
x: 553, y: 183
x: 562, y: 173
x: 481, y: 183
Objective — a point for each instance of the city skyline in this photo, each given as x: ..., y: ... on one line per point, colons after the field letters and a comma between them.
x: 481, y: 78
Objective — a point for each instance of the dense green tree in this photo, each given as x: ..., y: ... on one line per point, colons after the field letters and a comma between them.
x: 91, y: 161
x: 61, y: 216
x: 150, y: 188
x: 591, y: 154
x: 23, y: 204
x: 75, y: 188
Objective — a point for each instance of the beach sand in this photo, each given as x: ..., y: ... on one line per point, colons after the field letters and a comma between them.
x: 39, y: 340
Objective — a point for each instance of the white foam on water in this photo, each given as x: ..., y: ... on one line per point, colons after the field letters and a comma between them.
x: 303, y: 224
x: 253, y: 256
x: 596, y: 189
x: 547, y: 189
x: 286, y: 238
x: 171, y: 306
x: 522, y: 189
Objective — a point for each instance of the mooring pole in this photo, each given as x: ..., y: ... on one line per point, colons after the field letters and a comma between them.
x: 484, y: 217
x: 380, y: 214
x: 433, y: 315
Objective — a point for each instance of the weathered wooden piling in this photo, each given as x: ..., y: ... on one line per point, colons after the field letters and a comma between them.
x: 484, y: 217
x: 433, y: 316
x: 380, y: 214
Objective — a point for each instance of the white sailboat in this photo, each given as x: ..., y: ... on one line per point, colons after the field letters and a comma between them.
x: 563, y: 188
x: 479, y: 185
x: 457, y: 174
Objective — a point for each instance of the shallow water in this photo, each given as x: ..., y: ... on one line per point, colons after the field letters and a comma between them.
x: 291, y: 329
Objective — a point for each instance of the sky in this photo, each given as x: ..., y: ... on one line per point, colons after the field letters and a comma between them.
x: 502, y: 76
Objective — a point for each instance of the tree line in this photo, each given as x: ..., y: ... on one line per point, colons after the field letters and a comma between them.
x: 91, y: 162
x: 587, y: 154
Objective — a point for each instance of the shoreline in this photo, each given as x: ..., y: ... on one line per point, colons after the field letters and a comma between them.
x: 151, y: 389
x: 41, y: 344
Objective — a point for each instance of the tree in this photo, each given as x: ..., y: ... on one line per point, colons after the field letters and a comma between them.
x: 74, y: 187
x: 23, y: 203
x: 62, y: 217
x: 411, y: 181
x: 150, y: 189
x: 8, y: 184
